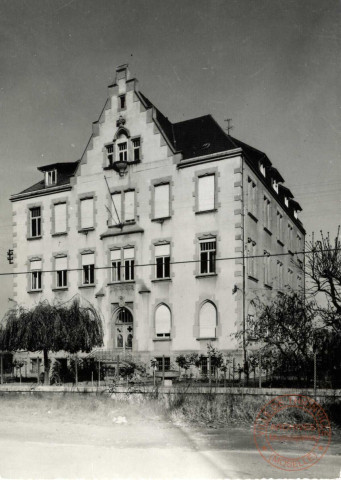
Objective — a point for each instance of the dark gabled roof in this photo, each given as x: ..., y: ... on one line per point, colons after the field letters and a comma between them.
x: 295, y: 205
x: 64, y: 173
x: 286, y: 192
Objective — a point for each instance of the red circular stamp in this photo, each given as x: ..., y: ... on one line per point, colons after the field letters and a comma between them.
x: 292, y: 432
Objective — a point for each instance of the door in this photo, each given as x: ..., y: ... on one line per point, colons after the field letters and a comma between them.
x: 124, y: 329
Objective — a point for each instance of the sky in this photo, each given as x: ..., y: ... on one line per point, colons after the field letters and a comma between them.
x: 273, y: 66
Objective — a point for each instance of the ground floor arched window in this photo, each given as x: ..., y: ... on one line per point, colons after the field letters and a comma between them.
x: 124, y: 332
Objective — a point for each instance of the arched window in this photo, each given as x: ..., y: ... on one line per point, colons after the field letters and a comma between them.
x: 124, y: 316
x: 207, y: 321
x: 162, y: 321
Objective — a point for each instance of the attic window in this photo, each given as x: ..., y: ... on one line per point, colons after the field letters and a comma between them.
x: 51, y: 177
x: 275, y: 185
x: 122, y: 101
x: 262, y: 168
x: 286, y: 201
x: 295, y: 214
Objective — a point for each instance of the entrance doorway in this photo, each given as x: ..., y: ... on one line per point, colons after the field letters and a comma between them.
x: 123, y: 329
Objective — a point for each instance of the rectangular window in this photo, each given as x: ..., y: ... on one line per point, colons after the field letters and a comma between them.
x: 129, y: 206
x: 129, y: 263
x: 115, y: 256
x: 160, y: 361
x: 206, y: 193
x: 252, y: 197
x: 267, y: 213
x: 116, y: 204
x: 88, y: 267
x: 290, y: 238
x: 35, y: 267
x: 251, y: 260
x: 275, y: 185
x: 87, y: 213
x: 123, y: 151
x: 122, y: 101
x: 208, y: 248
x: 280, y: 281
x: 61, y: 271
x: 51, y: 177
x: 137, y: 149
x: 290, y: 277
x: 35, y: 222
x: 280, y: 226
x: 267, y: 278
x: 60, y: 218
x: 161, y: 201
x: 162, y: 260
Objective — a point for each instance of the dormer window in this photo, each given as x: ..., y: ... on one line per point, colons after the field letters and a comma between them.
x: 123, y: 151
x: 295, y: 214
x: 275, y: 185
x: 286, y: 201
x: 51, y: 177
x: 262, y: 168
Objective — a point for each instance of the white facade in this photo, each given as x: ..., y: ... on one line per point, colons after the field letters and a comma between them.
x: 155, y: 249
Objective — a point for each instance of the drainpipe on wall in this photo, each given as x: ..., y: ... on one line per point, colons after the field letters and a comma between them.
x: 244, y: 272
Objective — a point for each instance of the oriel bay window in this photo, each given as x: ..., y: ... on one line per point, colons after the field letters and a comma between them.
x: 123, y: 151
x: 136, y: 149
x: 61, y: 272
x: 88, y: 268
x: 208, y: 251
x: 36, y: 267
x: 35, y: 222
x: 162, y: 261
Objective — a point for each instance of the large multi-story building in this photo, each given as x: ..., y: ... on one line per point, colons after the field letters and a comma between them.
x: 152, y: 226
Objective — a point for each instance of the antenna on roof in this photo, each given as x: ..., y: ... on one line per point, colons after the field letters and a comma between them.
x: 229, y: 125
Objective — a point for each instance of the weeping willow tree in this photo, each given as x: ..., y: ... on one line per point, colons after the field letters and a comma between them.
x: 51, y: 328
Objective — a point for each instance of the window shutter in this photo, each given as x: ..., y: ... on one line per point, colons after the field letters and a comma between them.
x: 36, y: 264
x: 207, y: 321
x: 117, y: 207
x: 88, y: 259
x: 161, y: 201
x: 87, y: 213
x: 162, y: 320
x: 128, y: 253
x: 206, y: 193
x: 129, y: 205
x: 61, y: 263
x: 60, y: 217
x: 115, y: 255
x: 162, y: 250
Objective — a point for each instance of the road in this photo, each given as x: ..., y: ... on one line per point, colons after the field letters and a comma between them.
x: 143, y: 447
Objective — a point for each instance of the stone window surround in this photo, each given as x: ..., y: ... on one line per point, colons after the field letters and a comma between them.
x: 155, y: 183
x: 203, y: 173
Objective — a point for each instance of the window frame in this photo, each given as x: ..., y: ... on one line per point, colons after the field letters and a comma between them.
x: 37, y: 221
x: 199, y: 178
x: 252, y: 270
x: 36, y: 276
x: 203, y: 326
x: 211, y: 261
x: 61, y: 274
x: 55, y: 231
x: 122, y: 153
x: 81, y: 223
x: 252, y: 197
x: 51, y: 177
x: 168, y: 212
x: 267, y: 213
x: 165, y: 262
x: 88, y: 271
x: 136, y: 148
x: 166, y: 335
